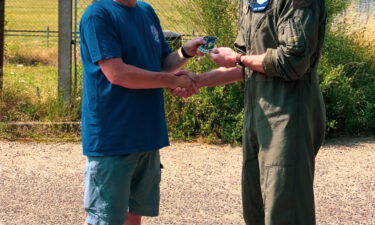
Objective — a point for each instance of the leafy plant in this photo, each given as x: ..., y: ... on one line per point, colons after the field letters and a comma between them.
x: 215, y: 113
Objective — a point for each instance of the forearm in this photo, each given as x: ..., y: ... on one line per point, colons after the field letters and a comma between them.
x: 220, y: 76
x: 132, y: 77
x: 228, y: 58
x: 173, y: 62
x: 254, y: 62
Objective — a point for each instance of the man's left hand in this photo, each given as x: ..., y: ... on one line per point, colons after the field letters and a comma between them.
x: 224, y: 57
x: 191, y: 47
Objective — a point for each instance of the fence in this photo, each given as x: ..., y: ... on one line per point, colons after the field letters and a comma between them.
x: 38, y: 19
x: 35, y: 22
x: 32, y: 23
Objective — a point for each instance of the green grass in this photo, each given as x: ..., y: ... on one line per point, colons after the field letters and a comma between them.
x: 31, y: 15
x: 37, y: 82
x: 30, y: 94
x: 40, y: 14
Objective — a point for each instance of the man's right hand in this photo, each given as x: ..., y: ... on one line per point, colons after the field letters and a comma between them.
x: 186, y: 84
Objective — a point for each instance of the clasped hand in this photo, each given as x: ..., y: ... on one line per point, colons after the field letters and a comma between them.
x: 187, y: 84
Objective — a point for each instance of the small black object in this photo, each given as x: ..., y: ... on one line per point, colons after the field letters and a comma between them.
x: 187, y: 56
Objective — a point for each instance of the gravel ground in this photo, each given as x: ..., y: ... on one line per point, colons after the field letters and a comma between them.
x: 42, y: 184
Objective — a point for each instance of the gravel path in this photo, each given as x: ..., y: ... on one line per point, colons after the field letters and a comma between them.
x: 42, y: 184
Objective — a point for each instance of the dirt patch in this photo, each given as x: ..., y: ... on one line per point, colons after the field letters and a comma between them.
x: 42, y: 183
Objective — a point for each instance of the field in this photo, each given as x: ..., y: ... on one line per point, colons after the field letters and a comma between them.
x: 40, y: 14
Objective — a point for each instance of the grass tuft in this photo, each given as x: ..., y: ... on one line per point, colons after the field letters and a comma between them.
x: 29, y: 55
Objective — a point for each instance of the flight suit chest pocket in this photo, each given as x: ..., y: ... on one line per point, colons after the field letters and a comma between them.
x: 260, y: 18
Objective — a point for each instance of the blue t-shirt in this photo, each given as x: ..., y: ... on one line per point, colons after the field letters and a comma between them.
x: 117, y: 120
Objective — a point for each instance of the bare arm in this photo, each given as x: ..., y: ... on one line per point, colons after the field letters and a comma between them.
x: 173, y: 62
x: 254, y: 62
x: 219, y: 76
x: 176, y: 60
x: 121, y: 74
x: 226, y: 57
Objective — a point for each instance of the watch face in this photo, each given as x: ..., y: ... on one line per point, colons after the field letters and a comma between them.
x: 210, y: 44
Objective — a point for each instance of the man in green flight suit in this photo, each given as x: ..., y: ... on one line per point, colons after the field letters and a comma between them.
x: 280, y: 43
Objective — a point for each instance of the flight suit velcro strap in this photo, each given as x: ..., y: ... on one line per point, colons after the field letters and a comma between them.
x: 268, y: 65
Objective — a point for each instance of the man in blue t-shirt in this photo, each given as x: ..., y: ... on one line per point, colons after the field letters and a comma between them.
x: 126, y: 63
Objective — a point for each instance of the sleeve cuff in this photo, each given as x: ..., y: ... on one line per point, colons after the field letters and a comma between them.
x: 268, y: 64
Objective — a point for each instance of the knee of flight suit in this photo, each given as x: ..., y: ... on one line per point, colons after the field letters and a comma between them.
x: 287, y: 193
x: 278, y: 194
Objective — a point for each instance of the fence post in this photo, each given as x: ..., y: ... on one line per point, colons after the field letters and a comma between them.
x: 65, y: 50
x: 47, y: 35
x: 2, y: 23
x: 75, y: 48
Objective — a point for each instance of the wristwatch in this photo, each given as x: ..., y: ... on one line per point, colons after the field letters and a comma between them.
x: 184, y: 54
x: 238, y: 62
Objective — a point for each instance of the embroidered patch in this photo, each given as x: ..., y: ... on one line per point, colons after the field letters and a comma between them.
x: 155, y: 32
x: 297, y: 4
x: 258, y: 5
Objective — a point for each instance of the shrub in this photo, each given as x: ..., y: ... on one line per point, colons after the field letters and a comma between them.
x: 348, y: 83
x: 215, y: 113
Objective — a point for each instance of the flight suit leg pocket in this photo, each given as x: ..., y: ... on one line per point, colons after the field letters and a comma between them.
x: 278, y: 195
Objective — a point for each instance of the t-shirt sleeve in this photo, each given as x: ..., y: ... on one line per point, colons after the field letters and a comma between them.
x: 165, y: 48
x: 100, y: 37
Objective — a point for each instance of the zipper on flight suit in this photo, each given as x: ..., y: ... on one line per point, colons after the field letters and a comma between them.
x: 250, y: 92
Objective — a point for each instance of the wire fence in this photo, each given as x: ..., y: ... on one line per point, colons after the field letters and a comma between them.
x: 37, y: 20
x: 34, y: 23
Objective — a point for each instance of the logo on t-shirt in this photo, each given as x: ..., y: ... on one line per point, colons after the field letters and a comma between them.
x: 155, y: 32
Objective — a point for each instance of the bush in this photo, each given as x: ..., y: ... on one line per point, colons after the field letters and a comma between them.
x: 348, y: 84
x: 215, y: 113
x: 347, y: 73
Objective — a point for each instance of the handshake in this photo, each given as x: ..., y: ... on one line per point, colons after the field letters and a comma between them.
x: 187, y: 84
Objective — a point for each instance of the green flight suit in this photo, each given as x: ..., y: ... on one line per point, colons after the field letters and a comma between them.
x: 284, y: 111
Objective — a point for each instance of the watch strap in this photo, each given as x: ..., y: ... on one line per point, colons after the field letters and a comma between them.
x: 238, y: 60
x: 184, y: 54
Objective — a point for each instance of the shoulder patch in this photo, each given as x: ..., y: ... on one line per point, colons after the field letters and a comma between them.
x: 258, y: 5
x: 297, y: 4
